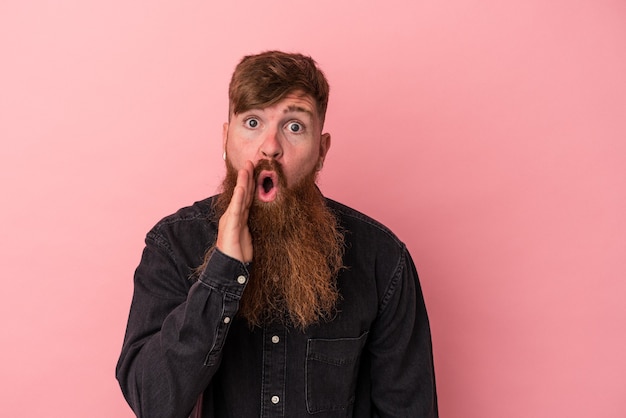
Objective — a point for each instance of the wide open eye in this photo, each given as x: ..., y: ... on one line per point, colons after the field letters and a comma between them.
x: 251, y: 123
x: 295, y: 127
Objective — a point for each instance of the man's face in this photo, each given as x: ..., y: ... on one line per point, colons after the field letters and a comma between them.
x: 288, y: 132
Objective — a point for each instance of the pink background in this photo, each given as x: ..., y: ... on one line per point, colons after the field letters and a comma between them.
x: 490, y: 135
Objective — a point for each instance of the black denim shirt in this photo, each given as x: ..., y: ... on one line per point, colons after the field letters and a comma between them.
x: 185, y: 342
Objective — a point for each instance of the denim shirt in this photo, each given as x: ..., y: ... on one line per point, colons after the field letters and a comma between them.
x: 186, y: 349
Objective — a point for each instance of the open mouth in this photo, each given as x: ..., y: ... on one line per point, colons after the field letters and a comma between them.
x: 267, y: 186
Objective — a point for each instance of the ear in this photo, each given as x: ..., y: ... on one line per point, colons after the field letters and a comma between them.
x: 324, y: 145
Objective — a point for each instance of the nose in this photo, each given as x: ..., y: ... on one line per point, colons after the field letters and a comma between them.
x: 271, y: 147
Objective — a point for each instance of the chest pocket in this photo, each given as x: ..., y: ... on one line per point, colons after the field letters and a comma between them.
x: 332, y: 367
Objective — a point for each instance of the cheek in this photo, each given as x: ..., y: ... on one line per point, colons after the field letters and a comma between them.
x: 238, y: 154
x: 301, y: 169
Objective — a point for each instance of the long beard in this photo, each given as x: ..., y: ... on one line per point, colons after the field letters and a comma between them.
x: 297, y: 253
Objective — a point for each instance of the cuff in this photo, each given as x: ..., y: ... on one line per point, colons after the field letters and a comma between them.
x: 225, y: 274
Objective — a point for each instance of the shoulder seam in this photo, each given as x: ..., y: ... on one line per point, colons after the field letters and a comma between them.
x: 393, y: 283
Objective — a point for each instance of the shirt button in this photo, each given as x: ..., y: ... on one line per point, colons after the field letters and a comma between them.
x: 241, y: 279
x: 275, y: 399
x: 226, y: 319
x: 275, y: 339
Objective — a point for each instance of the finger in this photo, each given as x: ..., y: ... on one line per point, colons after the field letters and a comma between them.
x: 230, y: 226
x: 236, y: 205
x: 249, y: 168
x: 243, y: 184
x: 246, y: 239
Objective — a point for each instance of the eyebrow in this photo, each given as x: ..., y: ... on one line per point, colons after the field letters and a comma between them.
x: 294, y: 108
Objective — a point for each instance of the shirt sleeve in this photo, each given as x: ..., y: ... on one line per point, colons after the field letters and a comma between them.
x: 403, y: 378
x: 176, y: 330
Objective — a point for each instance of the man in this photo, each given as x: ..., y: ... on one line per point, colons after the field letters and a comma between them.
x: 270, y: 300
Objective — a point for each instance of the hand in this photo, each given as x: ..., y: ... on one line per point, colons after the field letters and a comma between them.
x: 233, y: 236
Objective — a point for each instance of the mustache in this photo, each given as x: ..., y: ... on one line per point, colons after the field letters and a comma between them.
x: 269, y: 165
